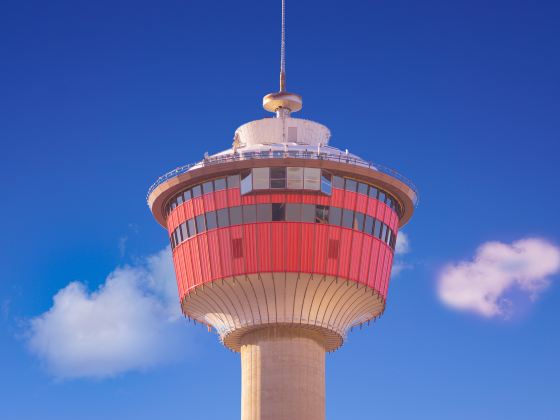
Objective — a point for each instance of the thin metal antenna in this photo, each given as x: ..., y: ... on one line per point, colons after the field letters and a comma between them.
x: 283, y: 50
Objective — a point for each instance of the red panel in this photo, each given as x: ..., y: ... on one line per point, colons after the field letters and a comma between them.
x: 308, y: 199
x: 379, y: 281
x: 277, y: 198
x: 238, y: 264
x: 183, y: 269
x: 262, y: 198
x: 226, y: 255
x: 388, y: 271
x: 195, y: 257
x: 204, y: 257
x: 356, y: 260
x: 264, y: 243
x: 234, y: 197
x: 293, y: 235
x: 350, y: 200
x: 214, y: 252
x: 333, y: 243
x: 374, y: 257
x: 209, y: 202
x: 321, y: 245
x: 293, y: 198
x: 220, y: 199
x: 307, y: 244
x: 278, y: 243
x: 198, y: 205
x: 178, y: 274
x: 337, y: 198
x: 361, y: 203
x: 189, y: 212
x: 344, y: 255
x: 189, y: 272
x: 248, y: 199
x: 372, y: 207
x: 365, y: 260
x: 250, y: 248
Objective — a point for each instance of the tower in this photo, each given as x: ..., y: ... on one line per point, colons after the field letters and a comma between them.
x: 282, y: 244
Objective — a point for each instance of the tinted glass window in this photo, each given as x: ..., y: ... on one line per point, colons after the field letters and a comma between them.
x: 184, y: 233
x: 311, y: 178
x: 261, y: 178
x: 235, y: 217
x: 351, y: 185
x: 322, y: 214
x: 347, y: 218
x: 180, y: 199
x: 389, y: 202
x: 246, y: 182
x: 277, y: 177
x: 220, y: 184
x: 264, y: 212
x: 249, y: 213
x: 326, y: 183
x: 335, y: 215
x: 233, y: 181
x: 191, y: 227
x: 200, y: 223
x: 381, y: 196
x: 211, y: 221
x: 338, y: 182
x: 383, y: 231
x: 293, y: 212
x: 368, y: 227
x: 207, y: 187
x: 188, y: 195
x: 308, y: 213
x: 196, y: 191
x: 377, y: 229
x: 373, y: 192
x: 223, y: 217
x: 295, y: 178
x: 362, y: 188
x: 359, y: 221
x: 278, y: 212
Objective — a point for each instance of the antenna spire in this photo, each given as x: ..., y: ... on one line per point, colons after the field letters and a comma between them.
x: 283, y: 50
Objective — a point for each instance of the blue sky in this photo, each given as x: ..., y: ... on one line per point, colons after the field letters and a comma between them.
x: 97, y: 99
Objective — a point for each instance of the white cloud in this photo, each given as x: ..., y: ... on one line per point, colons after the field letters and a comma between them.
x: 482, y: 285
x: 129, y: 323
x: 401, y: 247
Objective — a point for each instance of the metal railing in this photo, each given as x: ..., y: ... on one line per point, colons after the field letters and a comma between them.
x: 279, y: 154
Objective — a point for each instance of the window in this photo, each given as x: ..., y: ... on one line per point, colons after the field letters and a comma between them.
x: 219, y: 184
x: 322, y: 214
x: 235, y: 215
x: 347, y: 218
x: 389, y: 202
x: 250, y: 213
x: 277, y: 177
x: 200, y: 224
x: 359, y: 221
x: 191, y: 227
x: 308, y: 213
x: 335, y: 215
x: 293, y: 212
x: 362, y: 188
x: 295, y: 178
x: 338, y: 182
x: 381, y: 196
x: 211, y: 221
x: 377, y: 229
x: 184, y: 232
x: 373, y: 192
x: 278, y: 212
x: 264, y: 212
x: 311, y: 178
x: 208, y: 187
x: 246, y: 182
x: 180, y: 199
x: 368, y: 227
x: 223, y: 217
x: 187, y: 195
x: 261, y: 178
x: 383, y: 232
x: 237, y: 247
x: 326, y: 183
x: 351, y: 185
x: 196, y: 191
x: 233, y: 181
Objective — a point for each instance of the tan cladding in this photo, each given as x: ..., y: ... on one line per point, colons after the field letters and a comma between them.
x: 282, y: 374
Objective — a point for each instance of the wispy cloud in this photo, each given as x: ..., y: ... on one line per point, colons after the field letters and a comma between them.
x: 129, y: 323
x: 402, y: 247
x: 482, y: 284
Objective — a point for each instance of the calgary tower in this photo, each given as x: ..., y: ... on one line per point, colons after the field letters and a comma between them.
x: 282, y: 244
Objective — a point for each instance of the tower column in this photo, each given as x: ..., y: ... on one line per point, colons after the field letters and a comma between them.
x: 282, y: 374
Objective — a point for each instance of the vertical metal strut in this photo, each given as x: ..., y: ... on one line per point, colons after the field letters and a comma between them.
x: 283, y: 50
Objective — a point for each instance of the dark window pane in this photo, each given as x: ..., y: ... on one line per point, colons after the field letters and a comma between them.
x: 180, y: 199
x: 211, y: 222
x: 335, y: 214
x: 362, y: 188
x: 246, y: 182
x: 200, y: 225
x: 338, y: 182
x: 347, y: 218
x: 381, y: 196
x: 173, y: 204
x: 249, y: 213
x: 223, y: 218
x: 176, y: 235
x: 219, y: 184
x: 208, y: 187
x: 308, y: 213
x: 278, y: 212
x: 389, y: 202
x: 233, y: 181
x: 277, y: 177
x: 196, y: 191
x: 264, y: 212
x: 235, y: 217
x: 368, y: 228
x: 351, y: 185
x: 184, y: 233
x: 188, y: 195
x: 359, y: 221
x: 322, y: 214
x: 389, y: 235
x: 326, y: 183
x: 383, y: 231
x: 377, y: 229
x: 171, y: 242
x: 192, y: 227
x: 373, y: 192
x: 293, y: 212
